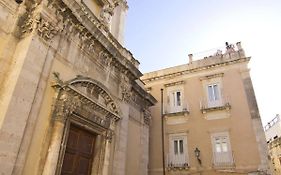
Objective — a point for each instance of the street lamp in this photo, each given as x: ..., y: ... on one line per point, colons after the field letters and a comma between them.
x: 19, y: 1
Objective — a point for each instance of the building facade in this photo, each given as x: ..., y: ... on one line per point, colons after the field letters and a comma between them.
x: 211, y: 119
x: 71, y: 101
x: 273, y: 137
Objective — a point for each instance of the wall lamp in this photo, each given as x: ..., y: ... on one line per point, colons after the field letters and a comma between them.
x: 19, y: 1
x: 197, y: 155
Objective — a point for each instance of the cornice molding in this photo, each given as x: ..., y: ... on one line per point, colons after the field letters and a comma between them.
x: 68, y: 17
x: 211, y: 76
x: 174, y: 83
x: 197, y: 69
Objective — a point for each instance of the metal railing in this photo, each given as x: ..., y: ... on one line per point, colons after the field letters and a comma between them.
x: 176, y: 161
x: 223, y: 102
x: 169, y: 109
x: 223, y: 160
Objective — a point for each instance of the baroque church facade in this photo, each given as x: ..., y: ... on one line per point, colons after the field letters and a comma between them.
x: 71, y: 101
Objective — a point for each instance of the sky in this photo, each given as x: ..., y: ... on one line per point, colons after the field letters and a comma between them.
x: 161, y: 34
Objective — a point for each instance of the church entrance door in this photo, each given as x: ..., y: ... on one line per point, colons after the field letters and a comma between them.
x: 78, y: 157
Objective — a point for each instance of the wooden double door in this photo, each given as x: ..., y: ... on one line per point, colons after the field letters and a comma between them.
x: 79, y: 153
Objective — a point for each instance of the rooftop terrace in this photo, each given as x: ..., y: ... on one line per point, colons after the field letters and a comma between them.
x: 232, y: 54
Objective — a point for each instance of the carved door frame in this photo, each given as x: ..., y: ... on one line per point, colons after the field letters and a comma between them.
x: 75, y: 104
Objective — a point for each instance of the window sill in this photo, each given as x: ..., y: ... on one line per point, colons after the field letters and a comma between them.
x: 224, y: 166
x: 178, y: 168
x: 227, y: 107
x: 180, y: 113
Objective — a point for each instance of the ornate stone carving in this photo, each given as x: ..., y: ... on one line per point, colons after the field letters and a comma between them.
x: 118, y: 2
x: 74, y: 21
x: 126, y: 93
x: 105, y: 58
x: 106, y: 15
x: 146, y: 116
x: 46, y: 30
x: 109, y: 135
x: 65, y: 105
x: 126, y: 89
x: 31, y: 20
x: 74, y: 97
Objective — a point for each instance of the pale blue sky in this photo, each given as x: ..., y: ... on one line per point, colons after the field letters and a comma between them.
x: 161, y: 33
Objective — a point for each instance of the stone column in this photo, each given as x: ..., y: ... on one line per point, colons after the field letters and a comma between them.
x: 119, y: 163
x: 54, y: 148
x: 145, y: 149
x: 64, y: 107
x: 20, y: 90
x: 107, y: 162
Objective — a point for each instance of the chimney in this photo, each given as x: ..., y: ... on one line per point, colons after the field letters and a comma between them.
x: 190, y: 58
x: 239, y: 47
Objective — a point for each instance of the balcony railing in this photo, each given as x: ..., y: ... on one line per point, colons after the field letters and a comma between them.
x: 221, y: 104
x: 175, y: 162
x: 224, y: 160
x: 176, y: 110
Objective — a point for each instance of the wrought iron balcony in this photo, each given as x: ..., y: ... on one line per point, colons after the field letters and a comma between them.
x: 223, y: 160
x: 175, y: 162
x: 176, y: 110
x: 221, y: 104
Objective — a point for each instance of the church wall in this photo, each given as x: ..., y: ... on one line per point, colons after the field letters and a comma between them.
x: 41, y: 55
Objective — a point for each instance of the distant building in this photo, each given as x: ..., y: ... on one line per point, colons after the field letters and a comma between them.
x: 71, y: 101
x: 211, y: 119
x: 273, y: 137
x: 273, y: 129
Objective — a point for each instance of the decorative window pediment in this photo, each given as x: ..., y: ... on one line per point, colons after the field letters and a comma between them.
x: 86, y: 97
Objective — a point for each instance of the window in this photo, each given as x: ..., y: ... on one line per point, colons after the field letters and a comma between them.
x: 221, y: 144
x: 214, y: 96
x: 221, y: 149
x: 175, y: 100
x: 177, y: 150
x: 178, y: 146
x: 213, y: 92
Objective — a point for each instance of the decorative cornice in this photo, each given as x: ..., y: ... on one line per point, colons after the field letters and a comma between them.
x: 197, y: 69
x: 174, y: 83
x: 75, y: 19
x: 94, y: 27
x: 212, y: 76
x: 138, y: 91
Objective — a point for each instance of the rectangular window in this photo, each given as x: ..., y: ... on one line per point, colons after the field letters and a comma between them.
x: 213, y: 92
x: 221, y: 144
x: 175, y: 101
x: 214, y: 95
x: 178, y: 150
x: 178, y: 98
x: 178, y: 146
x: 221, y: 149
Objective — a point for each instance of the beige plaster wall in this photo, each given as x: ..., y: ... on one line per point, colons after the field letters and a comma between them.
x: 238, y: 124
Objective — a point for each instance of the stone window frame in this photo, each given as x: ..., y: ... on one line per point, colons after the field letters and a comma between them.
x: 178, y: 136
x: 169, y: 109
x: 213, y: 136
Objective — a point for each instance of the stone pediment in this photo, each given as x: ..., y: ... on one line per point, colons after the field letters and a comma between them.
x: 87, y: 97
